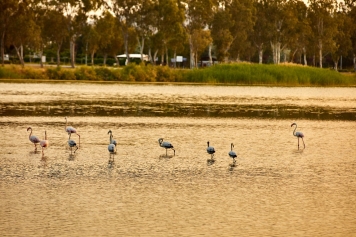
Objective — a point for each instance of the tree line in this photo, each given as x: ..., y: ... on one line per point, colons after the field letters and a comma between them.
x: 228, y: 30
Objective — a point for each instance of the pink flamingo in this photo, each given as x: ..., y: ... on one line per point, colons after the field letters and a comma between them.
x: 44, y: 143
x: 298, y: 134
x: 34, y: 139
x: 71, y: 130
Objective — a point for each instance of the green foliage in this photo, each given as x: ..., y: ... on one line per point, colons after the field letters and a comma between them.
x: 85, y: 73
x: 254, y: 74
x: 239, y: 74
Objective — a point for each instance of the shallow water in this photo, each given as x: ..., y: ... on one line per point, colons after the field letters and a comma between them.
x: 273, y: 189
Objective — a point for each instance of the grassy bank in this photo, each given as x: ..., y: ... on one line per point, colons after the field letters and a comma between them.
x: 242, y: 74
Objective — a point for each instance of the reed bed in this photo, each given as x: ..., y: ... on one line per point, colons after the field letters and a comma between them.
x: 239, y: 74
x: 281, y: 75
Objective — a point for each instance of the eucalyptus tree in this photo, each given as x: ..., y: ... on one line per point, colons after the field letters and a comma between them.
x: 126, y: 13
x: 22, y: 30
x: 105, y: 26
x: 145, y: 22
x: 351, y: 10
x: 324, y: 26
x: 8, y: 9
x: 198, y: 15
x: 55, y: 30
x: 234, y: 21
x: 300, y: 38
x: 92, y: 38
x: 76, y: 13
x: 201, y: 39
x: 261, y: 28
x: 168, y: 26
x: 342, y: 38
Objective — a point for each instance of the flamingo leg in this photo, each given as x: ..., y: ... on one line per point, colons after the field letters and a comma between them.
x: 298, y: 143
x: 76, y: 149
x: 79, y: 138
x: 303, y: 142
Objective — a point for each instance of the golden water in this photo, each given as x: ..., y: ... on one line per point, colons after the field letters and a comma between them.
x: 274, y: 189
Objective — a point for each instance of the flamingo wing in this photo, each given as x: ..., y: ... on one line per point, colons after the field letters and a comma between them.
x: 232, y: 154
x: 34, y: 139
x: 210, y: 150
x: 299, y: 134
x: 167, y: 145
x: 111, y: 148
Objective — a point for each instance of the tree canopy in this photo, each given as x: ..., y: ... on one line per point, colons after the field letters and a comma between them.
x: 263, y: 31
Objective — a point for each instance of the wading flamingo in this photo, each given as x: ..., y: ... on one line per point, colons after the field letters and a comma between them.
x: 70, y: 130
x: 34, y: 139
x: 72, y: 144
x: 210, y: 150
x: 232, y: 154
x: 44, y: 143
x: 112, y: 141
x: 166, y: 145
x: 298, y: 134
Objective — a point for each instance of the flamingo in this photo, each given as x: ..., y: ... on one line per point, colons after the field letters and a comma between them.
x: 44, y: 143
x: 166, y: 145
x: 34, y: 139
x: 112, y: 141
x: 298, y: 134
x: 232, y: 154
x: 210, y: 150
x: 70, y: 130
x: 72, y: 144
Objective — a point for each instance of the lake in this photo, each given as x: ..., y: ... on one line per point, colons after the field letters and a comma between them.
x: 273, y: 189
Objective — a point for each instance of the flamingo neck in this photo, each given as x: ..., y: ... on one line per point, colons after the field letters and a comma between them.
x: 110, y: 138
x: 295, y: 129
x: 30, y: 133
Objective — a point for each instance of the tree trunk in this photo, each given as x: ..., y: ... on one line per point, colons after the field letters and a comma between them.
x: 320, y: 54
x: 305, y: 56
x: 141, y: 45
x: 162, y: 57
x: 354, y: 60
x: 335, y: 65
x: 126, y: 45
x: 19, y: 55
x: 72, y: 51
x: 210, y: 57
x: 41, y: 54
x: 92, y: 57
x: 175, y: 58
x: 167, y: 57
x: 2, y: 47
x: 191, y: 53
x: 116, y: 60
x: 260, y: 55
x: 154, y: 57
x: 58, y: 54
x: 105, y: 57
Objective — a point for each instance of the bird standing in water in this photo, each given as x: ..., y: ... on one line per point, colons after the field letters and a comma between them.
x: 210, y: 150
x: 34, y: 139
x: 232, y: 154
x: 112, y: 146
x: 112, y: 141
x: 72, y: 144
x: 44, y: 143
x: 298, y: 134
x: 166, y: 145
x: 70, y: 130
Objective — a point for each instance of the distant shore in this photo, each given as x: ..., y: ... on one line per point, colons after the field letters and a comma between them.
x: 243, y: 74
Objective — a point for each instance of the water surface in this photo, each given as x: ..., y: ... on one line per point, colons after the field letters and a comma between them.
x: 274, y: 189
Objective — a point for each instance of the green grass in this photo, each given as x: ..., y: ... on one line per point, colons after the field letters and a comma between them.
x: 281, y: 75
x: 239, y: 74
